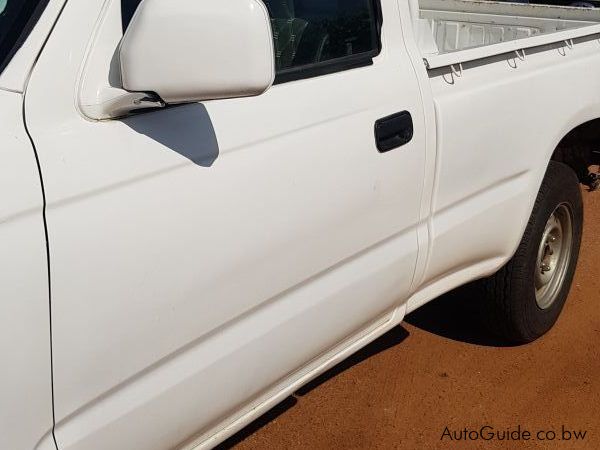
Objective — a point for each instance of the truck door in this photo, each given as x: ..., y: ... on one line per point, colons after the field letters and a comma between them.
x: 203, y: 253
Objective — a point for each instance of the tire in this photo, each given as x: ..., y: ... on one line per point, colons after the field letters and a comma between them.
x: 520, y: 304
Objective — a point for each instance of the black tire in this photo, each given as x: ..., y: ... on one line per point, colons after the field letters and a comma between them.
x: 510, y: 305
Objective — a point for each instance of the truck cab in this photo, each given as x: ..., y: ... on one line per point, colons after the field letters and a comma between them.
x: 208, y: 204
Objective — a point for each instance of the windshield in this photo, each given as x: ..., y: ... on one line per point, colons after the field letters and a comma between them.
x: 17, y: 17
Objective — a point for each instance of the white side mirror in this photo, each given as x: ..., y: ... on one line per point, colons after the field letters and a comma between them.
x: 196, y: 50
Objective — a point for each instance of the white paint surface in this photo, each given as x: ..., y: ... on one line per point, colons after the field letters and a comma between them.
x: 207, y: 260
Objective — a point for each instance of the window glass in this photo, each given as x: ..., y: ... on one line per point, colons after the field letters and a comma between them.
x: 17, y: 17
x: 313, y: 32
x: 128, y: 7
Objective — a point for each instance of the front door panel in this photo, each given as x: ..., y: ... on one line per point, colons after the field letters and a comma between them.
x: 203, y: 253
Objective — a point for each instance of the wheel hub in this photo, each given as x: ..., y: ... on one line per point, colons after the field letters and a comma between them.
x: 554, y: 256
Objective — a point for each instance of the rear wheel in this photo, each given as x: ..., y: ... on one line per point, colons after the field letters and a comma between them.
x: 524, y: 299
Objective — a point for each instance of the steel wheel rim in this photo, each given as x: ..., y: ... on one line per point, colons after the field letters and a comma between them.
x: 554, y: 256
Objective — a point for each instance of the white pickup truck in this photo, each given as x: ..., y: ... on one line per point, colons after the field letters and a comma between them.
x: 206, y: 204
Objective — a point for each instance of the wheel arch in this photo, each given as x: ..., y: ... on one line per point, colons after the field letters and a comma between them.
x: 579, y: 148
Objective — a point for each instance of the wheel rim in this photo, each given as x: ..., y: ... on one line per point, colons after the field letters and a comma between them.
x: 554, y: 256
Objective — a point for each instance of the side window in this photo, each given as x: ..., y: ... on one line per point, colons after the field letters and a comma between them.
x: 17, y: 18
x: 128, y: 7
x: 314, y: 37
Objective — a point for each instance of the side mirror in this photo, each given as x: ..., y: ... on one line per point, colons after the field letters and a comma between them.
x: 196, y: 50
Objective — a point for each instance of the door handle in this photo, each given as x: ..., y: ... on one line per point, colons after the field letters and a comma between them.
x: 393, y: 131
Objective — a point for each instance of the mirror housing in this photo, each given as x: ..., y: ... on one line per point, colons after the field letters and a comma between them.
x: 195, y: 50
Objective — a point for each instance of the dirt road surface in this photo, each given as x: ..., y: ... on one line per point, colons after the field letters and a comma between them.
x: 439, y: 369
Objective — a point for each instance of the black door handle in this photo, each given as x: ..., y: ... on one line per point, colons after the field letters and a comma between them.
x: 393, y: 131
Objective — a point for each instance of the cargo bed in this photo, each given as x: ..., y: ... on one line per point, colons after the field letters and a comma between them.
x: 455, y: 31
